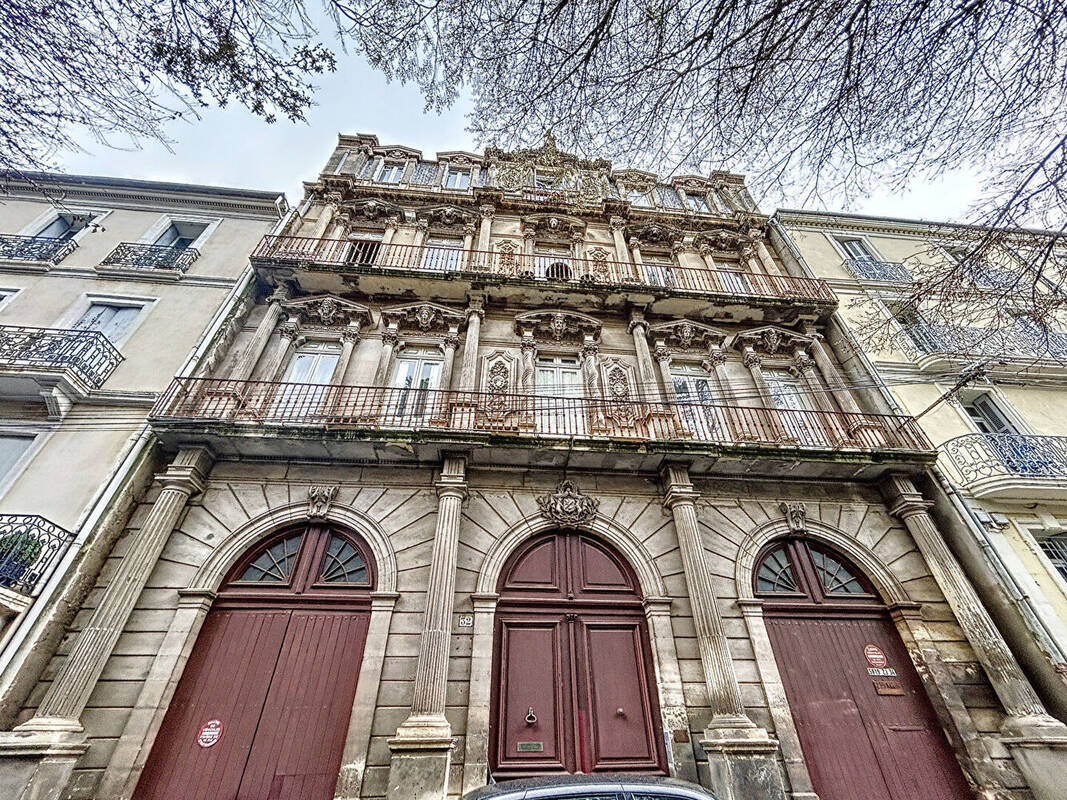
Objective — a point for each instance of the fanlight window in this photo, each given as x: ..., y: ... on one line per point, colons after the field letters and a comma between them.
x: 836, y: 578
x: 275, y: 563
x: 776, y: 573
x: 343, y: 563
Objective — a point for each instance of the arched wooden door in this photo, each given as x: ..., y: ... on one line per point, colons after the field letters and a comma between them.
x: 263, y: 704
x: 865, y: 723
x: 573, y: 681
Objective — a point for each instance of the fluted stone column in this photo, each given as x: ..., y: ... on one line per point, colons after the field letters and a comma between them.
x: 451, y: 344
x: 469, y: 260
x: 639, y: 262
x: 741, y: 755
x: 389, y: 232
x: 274, y: 366
x: 594, y: 390
x: 831, y: 375
x: 527, y: 377
x: 249, y: 357
x: 422, y: 227
x: 618, y: 228
x: 423, y: 742
x: 1037, y: 741
x: 645, y: 372
x: 390, y: 339
x: 485, y: 226
x: 350, y: 337
x: 65, y: 700
x: 663, y: 359
x: 468, y: 375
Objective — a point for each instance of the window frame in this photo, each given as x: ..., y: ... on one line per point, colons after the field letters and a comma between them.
x: 451, y: 170
x: 34, y: 228
x: 80, y: 306
x: 387, y: 164
x: 9, y: 294
x: 40, y: 432
x: 161, y: 225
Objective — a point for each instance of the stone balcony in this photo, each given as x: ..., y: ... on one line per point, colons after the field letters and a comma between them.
x: 35, y: 253
x: 247, y: 418
x: 30, y: 550
x: 54, y: 363
x: 332, y: 265
x: 140, y: 259
x: 1010, y: 466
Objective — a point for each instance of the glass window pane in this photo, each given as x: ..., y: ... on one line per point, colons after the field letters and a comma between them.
x: 11, y: 450
x: 775, y: 573
x: 343, y: 563
x: 275, y: 563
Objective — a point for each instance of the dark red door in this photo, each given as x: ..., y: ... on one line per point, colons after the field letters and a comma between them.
x: 263, y: 705
x: 865, y: 723
x: 573, y: 688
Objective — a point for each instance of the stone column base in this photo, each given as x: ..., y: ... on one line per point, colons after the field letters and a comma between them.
x: 1039, y: 747
x: 37, y: 765
x: 418, y: 769
x: 743, y: 764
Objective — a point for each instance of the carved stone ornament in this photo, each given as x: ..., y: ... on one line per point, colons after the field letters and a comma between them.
x: 373, y: 209
x: 796, y: 515
x: 655, y: 233
x: 568, y: 506
x: 445, y: 216
x: 497, y: 386
x: 772, y: 340
x: 319, y: 500
x: 326, y: 310
x: 685, y: 334
x: 424, y: 317
x: 558, y: 326
x: 557, y: 225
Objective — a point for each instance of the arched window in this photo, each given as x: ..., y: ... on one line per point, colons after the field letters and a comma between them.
x: 796, y: 570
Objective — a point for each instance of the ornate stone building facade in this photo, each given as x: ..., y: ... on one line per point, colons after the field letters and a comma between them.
x: 519, y: 465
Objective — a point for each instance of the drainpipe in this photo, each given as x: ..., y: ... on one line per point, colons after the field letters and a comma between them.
x: 1035, y: 621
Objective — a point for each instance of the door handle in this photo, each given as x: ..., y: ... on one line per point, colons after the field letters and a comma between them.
x: 531, y: 718
x: 619, y: 712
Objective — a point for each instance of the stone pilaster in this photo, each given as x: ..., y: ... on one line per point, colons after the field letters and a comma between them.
x: 350, y: 337
x: 618, y: 228
x: 451, y: 343
x: 390, y: 339
x: 645, y: 373
x: 485, y: 226
x: 468, y: 374
x: 741, y: 755
x: 1037, y: 741
x: 246, y: 362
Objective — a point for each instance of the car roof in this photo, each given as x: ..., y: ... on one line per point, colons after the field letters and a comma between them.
x: 567, y: 785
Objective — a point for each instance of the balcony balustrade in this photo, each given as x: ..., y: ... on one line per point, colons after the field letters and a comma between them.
x: 89, y: 355
x: 981, y: 456
x: 479, y: 264
x: 35, y: 248
x: 869, y: 269
x: 1017, y: 343
x: 30, y: 549
x: 151, y: 257
x: 527, y: 419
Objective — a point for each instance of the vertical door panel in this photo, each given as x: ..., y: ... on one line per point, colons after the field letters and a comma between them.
x: 534, y: 669
x: 296, y: 753
x: 616, y: 681
x: 226, y: 679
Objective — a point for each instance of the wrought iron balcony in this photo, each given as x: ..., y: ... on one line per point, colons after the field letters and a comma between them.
x: 343, y: 254
x: 985, y: 459
x: 151, y: 257
x: 1016, y: 343
x: 539, y: 420
x: 35, y: 248
x: 89, y: 355
x: 30, y: 549
x: 872, y: 270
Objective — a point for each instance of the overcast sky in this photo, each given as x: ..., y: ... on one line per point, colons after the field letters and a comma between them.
x: 231, y: 147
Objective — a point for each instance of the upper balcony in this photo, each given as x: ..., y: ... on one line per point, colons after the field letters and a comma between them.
x: 939, y: 343
x: 1010, y: 466
x: 326, y: 265
x: 137, y: 260
x: 872, y: 270
x: 380, y: 423
x: 37, y: 253
x: 30, y: 549
x: 44, y: 361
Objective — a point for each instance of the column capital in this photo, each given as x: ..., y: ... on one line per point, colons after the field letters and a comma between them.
x: 677, y: 487
x: 350, y: 334
x: 451, y: 340
x: 617, y: 223
x: 476, y: 307
x: 637, y: 320
x: 282, y: 292
x: 902, y: 496
x: 452, y: 480
x: 189, y: 470
x: 487, y: 211
x: 751, y: 359
x: 662, y: 353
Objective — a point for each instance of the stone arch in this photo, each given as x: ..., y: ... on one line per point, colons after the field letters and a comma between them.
x: 628, y: 545
x: 890, y: 589
x: 213, y: 570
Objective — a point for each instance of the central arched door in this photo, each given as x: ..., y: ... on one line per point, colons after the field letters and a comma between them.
x: 574, y: 686
x: 865, y: 723
x: 263, y: 704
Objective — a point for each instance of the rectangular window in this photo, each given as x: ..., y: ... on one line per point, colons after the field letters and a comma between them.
x: 668, y: 197
x: 457, y: 178
x: 180, y: 235
x: 442, y: 253
x: 559, y: 407
x: 856, y: 248
x: 637, y: 198
x: 65, y: 226
x: 416, y: 378
x: 698, y: 203
x: 658, y: 269
x: 1055, y: 547
x: 308, y: 374
x: 112, y: 320
x: 12, y: 448
x: 365, y: 247
x: 391, y: 173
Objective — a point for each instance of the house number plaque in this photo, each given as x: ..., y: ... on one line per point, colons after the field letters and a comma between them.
x: 530, y: 747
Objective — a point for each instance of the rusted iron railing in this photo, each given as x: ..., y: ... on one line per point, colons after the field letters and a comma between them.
x: 388, y: 408
x: 446, y: 261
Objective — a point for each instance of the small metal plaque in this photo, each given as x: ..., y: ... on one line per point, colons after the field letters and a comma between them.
x: 530, y: 747
x: 888, y: 686
x: 881, y: 672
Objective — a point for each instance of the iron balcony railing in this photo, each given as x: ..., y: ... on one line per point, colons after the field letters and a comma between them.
x: 35, y: 248
x: 151, y: 257
x: 992, y: 455
x: 1017, y: 343
x: 88, y: 354
x: 388, y: 409
x: 30, y: 549
x: 872, y: 270
x: 445, y: 261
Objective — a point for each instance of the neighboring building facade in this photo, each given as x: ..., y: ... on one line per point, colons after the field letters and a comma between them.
x: 106, y: 288
x: 1002, y: 439
x: 518, y: 465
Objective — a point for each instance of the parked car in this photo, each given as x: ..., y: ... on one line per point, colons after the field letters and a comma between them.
x: 592, y: 787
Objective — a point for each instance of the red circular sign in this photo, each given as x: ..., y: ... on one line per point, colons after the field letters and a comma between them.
x: 875, y: 655
x: 210, y: 733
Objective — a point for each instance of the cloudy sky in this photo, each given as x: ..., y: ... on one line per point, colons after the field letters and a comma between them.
x: 231, y: 147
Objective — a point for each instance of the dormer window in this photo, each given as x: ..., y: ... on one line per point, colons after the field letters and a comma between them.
x: 457, y: 178
x: 638, y: 198
x: 392, y: 172
x: 698, y: 203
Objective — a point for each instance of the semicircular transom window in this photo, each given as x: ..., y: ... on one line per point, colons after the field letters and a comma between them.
x: 835, y: 577
x: 775, y: 573
x: 343, y: 563
x: 275, y: 563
